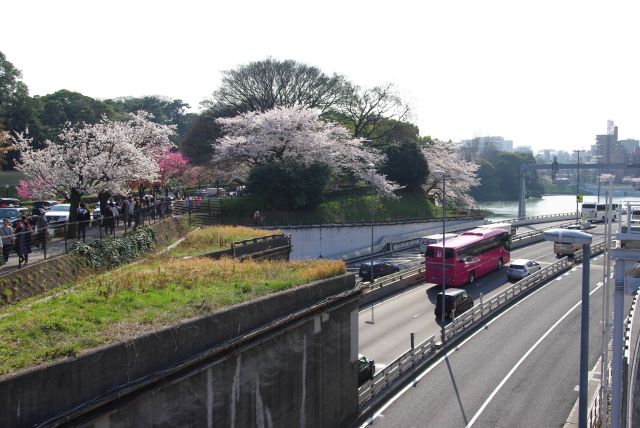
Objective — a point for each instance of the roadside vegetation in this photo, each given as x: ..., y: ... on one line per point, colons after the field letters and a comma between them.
x: 209, y: 239
x: 138, y: 298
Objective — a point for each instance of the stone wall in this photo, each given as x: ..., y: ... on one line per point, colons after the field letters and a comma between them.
x: 288, y: 359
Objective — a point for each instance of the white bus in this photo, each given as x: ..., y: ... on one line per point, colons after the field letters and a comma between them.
x: 507, y: 227
x: 597, y: 212
x: 425, y: 241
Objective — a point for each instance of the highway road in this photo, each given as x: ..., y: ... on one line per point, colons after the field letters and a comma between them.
x: 394, y: 319
x: 522, y: 369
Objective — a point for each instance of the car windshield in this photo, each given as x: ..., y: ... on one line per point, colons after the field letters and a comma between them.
x: 8, y: 212
x: 60, y: 208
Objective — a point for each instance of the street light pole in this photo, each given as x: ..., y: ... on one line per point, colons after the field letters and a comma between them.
x: 442, y: 174
x: 577, y: 187
x: 577, y: 237
x: 372, y: 276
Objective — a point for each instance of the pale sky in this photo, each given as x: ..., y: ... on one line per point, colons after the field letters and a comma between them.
x: 548, y: 74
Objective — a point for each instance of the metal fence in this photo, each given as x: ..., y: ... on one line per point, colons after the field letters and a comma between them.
x: 44, y: 241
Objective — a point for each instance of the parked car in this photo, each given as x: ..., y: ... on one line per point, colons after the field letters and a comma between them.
x: 46, y: 205
x: 366, y: 369
x: 456, y: 301
x: 58, y: 214
x: 521, y: 268
x: 13, y: 214
x: 10, y: 203
x: 380, y: 268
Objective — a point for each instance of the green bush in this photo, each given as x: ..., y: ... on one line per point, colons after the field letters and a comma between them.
x: 113, y: 252
x: 282, y: 185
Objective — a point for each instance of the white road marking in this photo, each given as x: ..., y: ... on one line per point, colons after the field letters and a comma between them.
x: 441, y: 359
x: 599, y: 283
x: 521, y: 360
x: 417, y: 315
x: 577, y: 388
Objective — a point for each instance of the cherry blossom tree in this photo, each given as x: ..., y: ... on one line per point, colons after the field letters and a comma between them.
x: 33, y: 189
x: 295, y: 135
x: 460, y: 174
x: 97, y: 158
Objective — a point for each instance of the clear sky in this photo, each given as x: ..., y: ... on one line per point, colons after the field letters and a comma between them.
x: 542, y: 73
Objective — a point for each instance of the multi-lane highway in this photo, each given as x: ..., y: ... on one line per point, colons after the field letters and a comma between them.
x: 520, y: 370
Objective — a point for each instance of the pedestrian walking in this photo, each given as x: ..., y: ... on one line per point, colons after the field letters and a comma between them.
x: 116, y: 214
x: 137, y: 209
x: 130, y: 205
x: 6, y: 233
x: 83, y: 217
x: 107, y: 220
x: 23, y: 240
x: 40, y: 224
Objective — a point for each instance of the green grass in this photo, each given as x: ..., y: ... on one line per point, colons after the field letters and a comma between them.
x: 210, y: 239
x: 139, y: 298
x: 353, y: 205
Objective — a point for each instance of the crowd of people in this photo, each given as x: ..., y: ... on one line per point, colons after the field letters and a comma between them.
x: 32, y: 231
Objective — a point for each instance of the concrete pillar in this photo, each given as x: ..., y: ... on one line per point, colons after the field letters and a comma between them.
x: 521, y: 206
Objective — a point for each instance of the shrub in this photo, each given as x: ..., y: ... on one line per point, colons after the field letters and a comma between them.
x: 112, y: 252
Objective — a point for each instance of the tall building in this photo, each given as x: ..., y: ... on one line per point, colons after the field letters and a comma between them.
x: 630, y: 146
x: 483, y: 143
x: 608, y: 147
x: 523, y: 149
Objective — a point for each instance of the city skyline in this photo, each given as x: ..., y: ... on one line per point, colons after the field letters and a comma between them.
x: 468, y: 70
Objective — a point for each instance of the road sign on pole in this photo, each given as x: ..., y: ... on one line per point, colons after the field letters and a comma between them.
x: 579, y: 198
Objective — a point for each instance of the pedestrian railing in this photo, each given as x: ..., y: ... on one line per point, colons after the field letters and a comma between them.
x: 390, y: 373
x: 57, y: 238
x: 537, y: 217
x: 464, y: 322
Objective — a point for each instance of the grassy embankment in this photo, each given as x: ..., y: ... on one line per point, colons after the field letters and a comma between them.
x: 339, y: 207
x: 210, y: 239
x: 138, y: 298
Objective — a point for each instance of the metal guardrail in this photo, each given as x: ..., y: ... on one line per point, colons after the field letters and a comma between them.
x: 464, y: 322
x: 390, y: 373
x: 534, y: 217
x: 368, y: 287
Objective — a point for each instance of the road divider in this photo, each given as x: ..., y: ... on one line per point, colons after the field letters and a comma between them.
x: 384, y: 383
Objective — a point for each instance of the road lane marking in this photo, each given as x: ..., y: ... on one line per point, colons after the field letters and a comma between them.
x: 418, y: 378
x: 521, y: 360
x: 417, y: 315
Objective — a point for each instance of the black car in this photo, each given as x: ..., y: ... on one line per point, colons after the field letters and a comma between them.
x: 366, y: 369
x: 456, y: 300
x: 380, y: 268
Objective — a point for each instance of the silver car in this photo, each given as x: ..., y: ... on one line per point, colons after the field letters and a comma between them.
x: 520, y: 268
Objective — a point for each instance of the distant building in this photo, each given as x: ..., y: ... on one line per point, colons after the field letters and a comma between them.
x: 484, y: 143
x: 608, y: 148
x: 630, y: 146
x: 523, y: 149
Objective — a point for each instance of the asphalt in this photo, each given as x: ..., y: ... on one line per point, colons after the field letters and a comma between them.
x: 521, y: 370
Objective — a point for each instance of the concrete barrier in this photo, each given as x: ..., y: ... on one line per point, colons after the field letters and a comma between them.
x: 250, y: 363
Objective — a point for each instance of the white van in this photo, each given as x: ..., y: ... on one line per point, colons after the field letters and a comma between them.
x: 425, y: 241
x: 597, y: 212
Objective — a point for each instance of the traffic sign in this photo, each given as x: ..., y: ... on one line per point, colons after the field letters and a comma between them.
x: 579, y: 198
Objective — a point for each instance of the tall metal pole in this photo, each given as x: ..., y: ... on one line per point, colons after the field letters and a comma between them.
x: 578, y: 187
x: 372, y: 218
x: 604, y: 367
x: 444, y: 267
x: 584, y: 338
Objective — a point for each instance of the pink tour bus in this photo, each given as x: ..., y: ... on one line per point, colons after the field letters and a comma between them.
x: 468, y: 256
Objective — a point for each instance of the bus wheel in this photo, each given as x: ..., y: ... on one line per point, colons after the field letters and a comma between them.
x: 499, y: 264
x: 472, y: 277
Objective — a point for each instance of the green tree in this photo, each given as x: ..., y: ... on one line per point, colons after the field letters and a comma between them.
x: 165, y: 110
x: 406, y: 165
x: 282, y: 185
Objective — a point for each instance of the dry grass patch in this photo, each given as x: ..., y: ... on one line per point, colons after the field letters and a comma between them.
x: 142, y: 297
x: 210, y: 239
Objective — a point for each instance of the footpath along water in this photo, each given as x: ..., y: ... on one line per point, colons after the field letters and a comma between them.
x: 548, y: 204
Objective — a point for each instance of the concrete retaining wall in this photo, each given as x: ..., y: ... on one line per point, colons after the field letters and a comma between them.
x: 345, y: 241
x: 206, y: 372
x: 544, y: 219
